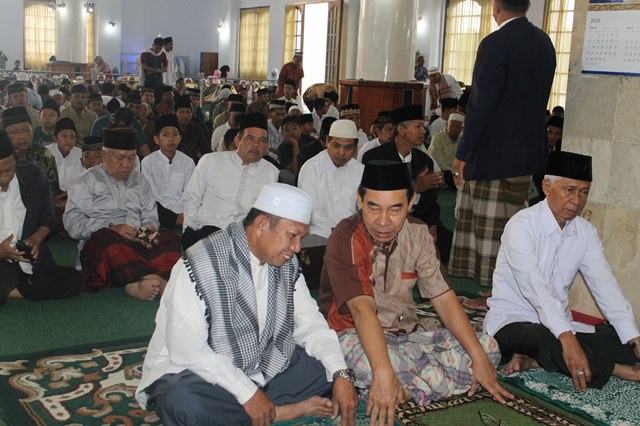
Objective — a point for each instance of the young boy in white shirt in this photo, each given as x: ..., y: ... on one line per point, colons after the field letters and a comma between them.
x: 168, y: 172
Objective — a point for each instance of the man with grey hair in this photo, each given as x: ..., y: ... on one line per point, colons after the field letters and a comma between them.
x: 543, y: 248
x: 112, y: 212
x: 238, y: 338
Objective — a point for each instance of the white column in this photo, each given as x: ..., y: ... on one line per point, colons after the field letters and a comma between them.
x: 387, y: 40
x: 70, y: 31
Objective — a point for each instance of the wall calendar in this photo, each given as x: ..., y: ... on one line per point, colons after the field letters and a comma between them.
x: 612, y: 42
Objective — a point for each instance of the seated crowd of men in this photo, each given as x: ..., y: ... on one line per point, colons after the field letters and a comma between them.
x: 237, y: 332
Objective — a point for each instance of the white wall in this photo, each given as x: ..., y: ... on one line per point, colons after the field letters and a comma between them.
x: 12, y: 32
x: 430, y: 31
x: 108, y: 38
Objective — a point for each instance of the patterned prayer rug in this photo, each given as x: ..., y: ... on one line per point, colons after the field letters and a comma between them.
x: 476, y: 316
x: 75, y: 387
x: 482, y: 409
x: 615, y: 404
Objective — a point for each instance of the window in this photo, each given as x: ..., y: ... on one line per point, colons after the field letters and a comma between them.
x: 254, y: 43
x: 90, y: 35
x: 293, y: 17
x: 559, y: 24
x: 467, y: 23
x: 39, y: 33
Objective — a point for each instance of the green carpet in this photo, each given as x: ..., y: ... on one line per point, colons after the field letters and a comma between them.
x: 615, y: 404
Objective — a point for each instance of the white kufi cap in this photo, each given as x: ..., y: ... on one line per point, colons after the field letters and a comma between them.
x: 285, y: 201
x: 343, y: 129
x: 456, y: 117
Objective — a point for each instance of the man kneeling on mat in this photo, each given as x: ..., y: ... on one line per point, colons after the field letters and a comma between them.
x: 543, y: 248
x: 239, y: 340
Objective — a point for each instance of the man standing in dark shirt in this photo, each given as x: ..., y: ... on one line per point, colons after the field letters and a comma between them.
x: 153, y: 63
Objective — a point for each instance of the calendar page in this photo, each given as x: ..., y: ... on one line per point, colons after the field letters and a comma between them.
x: 612, y: 42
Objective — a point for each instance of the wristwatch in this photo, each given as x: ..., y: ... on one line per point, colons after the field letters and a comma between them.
x: 348, y: 374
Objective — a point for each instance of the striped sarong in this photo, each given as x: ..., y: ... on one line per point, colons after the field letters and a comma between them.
x: 484, y: 209
x: 431, y: 365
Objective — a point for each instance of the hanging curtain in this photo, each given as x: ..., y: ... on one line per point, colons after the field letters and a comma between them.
x: 90, y: 38
x: 39, y: 34
x: 462, y: 37
x: 254, y: 43
x: 289, y: 33
x: 559, y: 25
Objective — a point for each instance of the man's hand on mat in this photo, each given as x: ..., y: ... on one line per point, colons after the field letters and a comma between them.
x: 576, y: 361
x: 260, y: 409
x: 385, y: 394
x: 345, y: 399
x: 9, y: 252
x: 485, y: 375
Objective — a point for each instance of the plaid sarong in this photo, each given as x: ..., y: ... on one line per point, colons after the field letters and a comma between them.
x: 108, y: 260
x: 485, y: 207
x: 431, y: 364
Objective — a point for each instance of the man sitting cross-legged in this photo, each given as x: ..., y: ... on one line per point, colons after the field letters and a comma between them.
x: 224, y: 185
x: 373, y: 261
x: 239, y: 339
x: 27, y: 216
x: 107, y: 208
x: 542, y: 249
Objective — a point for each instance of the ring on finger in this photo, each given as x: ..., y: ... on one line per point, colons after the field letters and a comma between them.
x: 580, y: 373
x: 456, y: 174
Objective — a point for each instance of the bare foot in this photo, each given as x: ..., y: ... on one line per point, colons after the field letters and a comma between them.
x: 627, y: 372
x: 162, y: 281
x: 145, y: 289
x: 519, y: 363
x: 315, y: 406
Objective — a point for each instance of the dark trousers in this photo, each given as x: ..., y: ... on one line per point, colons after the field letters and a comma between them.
x: 603, y: 349
x: 48, y: 281
x: 166, y: 217
x: 187, y: 399
x: 191, y: 236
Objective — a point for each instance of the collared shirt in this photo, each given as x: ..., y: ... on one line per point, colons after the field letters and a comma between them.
x: 69, y: 167
x: 180, y: 338
x: 535, y: 269
x: 356, y: 265
x: 443, y: 149
x: 12, y: 218
x: 83, y: 121
x: 168, y: 179
x: 41, y: 137
x: 366, y: 147
x: 218, y: 136
x: 96, y: 200
x: 43, y: 158
x: 222, y: 190
x: 333, y: 190
x: 332, y: 112
x: 363, y: 139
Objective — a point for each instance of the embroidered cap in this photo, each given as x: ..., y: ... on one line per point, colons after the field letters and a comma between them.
x: 285, y: 201
x: 92, y: 143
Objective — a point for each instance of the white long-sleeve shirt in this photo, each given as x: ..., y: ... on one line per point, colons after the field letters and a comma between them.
x: 168, y: 180
x: 222, y: 190
x: 70, y: 167
x: 535, y: 269
x: 179, y: 341
x: 333, y: 190
x: 366, y: 147
x: 218, y: 136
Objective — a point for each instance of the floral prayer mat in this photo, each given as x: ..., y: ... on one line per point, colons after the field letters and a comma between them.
x: 476, y: 316
x: 615, y: 404
x: 482, y: 409
x: 75, y: 387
